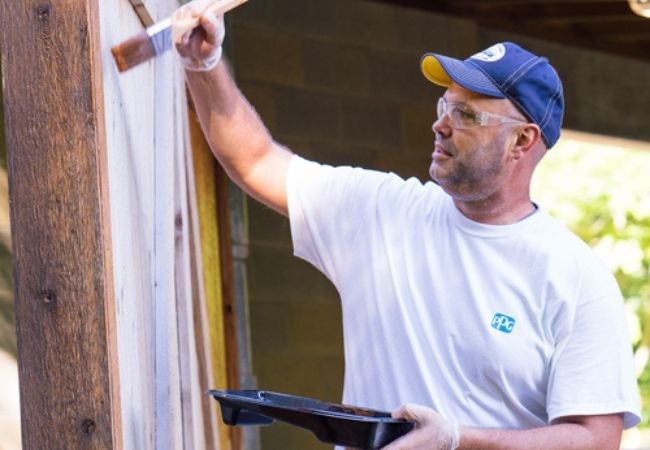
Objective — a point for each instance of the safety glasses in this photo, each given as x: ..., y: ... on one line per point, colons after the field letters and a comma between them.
x: 462, y: 116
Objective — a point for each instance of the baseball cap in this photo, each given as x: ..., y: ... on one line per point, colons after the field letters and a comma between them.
x: 506, y: 70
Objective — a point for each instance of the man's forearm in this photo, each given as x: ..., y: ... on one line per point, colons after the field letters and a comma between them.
x: 235, y: 133
x: 600, y: 433
x: 238, y: 138
x: 434, y: 432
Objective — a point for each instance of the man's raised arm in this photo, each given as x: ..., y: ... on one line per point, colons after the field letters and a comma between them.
x: 235, y: 132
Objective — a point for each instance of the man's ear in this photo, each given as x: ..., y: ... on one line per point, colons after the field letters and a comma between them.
x: 526, y: 138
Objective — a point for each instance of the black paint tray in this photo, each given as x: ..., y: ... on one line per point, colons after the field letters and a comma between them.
x: 348, y: 426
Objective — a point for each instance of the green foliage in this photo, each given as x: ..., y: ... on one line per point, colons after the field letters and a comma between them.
x: 602, y: 193
x: 3, y: 147
x: 7, y: 321
x: 7, y: 317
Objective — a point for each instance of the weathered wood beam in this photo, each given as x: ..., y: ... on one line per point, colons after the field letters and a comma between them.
x: 596, y: 30
x: 541, y: 8
x: 592, y: 24
x: 613, y: 29
x: 60, y: 224
x: 514, y: 10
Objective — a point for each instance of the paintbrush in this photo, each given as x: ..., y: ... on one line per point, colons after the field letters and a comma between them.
x: 157, y: 38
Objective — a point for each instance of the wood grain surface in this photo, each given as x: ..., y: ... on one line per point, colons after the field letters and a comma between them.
x: 53, y: 103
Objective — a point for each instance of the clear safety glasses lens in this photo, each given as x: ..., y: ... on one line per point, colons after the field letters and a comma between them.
x: 462, y: 116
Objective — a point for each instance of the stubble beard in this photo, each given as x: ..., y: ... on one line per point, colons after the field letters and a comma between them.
x: 468, y: 180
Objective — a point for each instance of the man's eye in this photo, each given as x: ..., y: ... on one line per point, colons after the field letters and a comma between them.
x: 464, y: 114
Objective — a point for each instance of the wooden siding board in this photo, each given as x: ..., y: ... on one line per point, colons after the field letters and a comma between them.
x: 206, y: 191
x: 130, y: 137
x: 201, y: 319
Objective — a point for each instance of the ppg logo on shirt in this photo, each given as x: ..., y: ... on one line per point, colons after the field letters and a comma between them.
x: 503, y: 323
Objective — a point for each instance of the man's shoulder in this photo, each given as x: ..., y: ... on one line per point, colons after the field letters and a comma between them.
x: 571, y: 258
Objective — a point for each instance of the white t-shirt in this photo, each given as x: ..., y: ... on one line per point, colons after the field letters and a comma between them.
x: 505, y: 326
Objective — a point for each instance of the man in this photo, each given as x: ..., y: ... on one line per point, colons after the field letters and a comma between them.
x: 462, y: 295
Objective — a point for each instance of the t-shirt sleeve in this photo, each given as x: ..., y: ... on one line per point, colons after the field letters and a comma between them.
x: 327, y: 209
x: 592, y: 370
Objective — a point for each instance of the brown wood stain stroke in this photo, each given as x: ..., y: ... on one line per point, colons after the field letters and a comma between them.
x: 142, y: 12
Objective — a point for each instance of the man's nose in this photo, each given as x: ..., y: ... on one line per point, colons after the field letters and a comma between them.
x: 441, y: 126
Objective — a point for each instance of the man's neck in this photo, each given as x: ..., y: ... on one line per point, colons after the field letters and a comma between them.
x: 500, y: 214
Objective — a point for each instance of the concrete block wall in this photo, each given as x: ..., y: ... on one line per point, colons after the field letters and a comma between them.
x: 338, y: 81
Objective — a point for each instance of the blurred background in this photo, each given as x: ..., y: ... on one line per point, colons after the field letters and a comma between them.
x: 599, y: 188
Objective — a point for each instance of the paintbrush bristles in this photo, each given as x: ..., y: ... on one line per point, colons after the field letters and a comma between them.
x: 134, y: 51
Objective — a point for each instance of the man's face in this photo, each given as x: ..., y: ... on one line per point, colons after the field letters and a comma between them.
x: 471, y: 163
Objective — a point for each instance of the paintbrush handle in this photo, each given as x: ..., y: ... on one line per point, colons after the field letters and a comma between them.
x: 217, y: 8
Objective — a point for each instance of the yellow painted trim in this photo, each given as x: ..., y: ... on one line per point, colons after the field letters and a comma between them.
x: 206, y: 193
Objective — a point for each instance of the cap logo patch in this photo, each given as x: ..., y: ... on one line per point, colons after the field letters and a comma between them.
x: 494, y: 53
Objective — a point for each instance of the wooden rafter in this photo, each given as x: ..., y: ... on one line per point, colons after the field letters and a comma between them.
x: 606, y: 25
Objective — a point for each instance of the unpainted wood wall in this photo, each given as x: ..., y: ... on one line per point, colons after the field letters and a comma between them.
x: 112, y: 311
x: 169, y: 339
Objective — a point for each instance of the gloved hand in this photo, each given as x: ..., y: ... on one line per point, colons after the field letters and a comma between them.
x: 199, y: 48
x: 431, y: 432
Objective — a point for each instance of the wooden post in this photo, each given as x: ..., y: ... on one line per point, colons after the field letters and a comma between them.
x: 106, y: 261
x: 53, y: 103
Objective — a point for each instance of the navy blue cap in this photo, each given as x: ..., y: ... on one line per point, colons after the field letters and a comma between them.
x: 506, y: 70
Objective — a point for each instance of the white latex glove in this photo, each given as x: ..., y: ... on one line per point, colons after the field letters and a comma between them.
x: 199, y: 48
x: 431, y: 432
